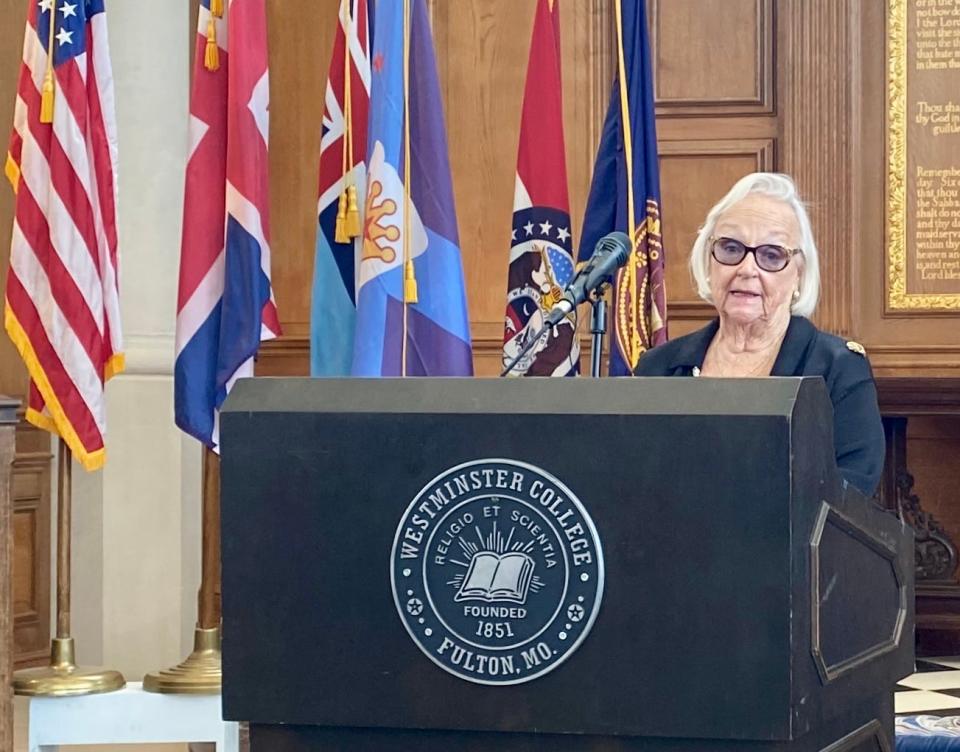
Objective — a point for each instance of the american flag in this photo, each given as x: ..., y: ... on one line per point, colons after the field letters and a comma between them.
x: 62, y: 307
x: 225, y: 306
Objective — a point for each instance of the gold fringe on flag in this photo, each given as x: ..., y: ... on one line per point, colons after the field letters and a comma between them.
x: 12, y: 171
x: 211, y: 56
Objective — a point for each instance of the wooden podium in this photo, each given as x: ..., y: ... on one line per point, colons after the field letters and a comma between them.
x: 557, y: 564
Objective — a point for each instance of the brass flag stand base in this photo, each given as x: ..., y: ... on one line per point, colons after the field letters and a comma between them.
x: 63, y: 678
x: 199, y: 674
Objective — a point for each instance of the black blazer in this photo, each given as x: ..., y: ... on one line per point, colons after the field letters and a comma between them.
x: 806, y: 351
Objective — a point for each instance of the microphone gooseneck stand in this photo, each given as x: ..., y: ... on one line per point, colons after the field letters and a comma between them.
x: 598, y: 327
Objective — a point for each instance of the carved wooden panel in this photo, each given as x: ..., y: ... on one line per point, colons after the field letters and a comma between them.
x: 712, y: 56
x: 821, y: 126
x: 7, y: 423
x: 694, y: 175
x: 31, y: 527
x: 933, y: 448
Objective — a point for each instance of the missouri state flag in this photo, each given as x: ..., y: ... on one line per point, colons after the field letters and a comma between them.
x: 225, y: 304
x: 343, y: 186
x: 411, y: 303
x: 625, y: 196
x: 541, y: 252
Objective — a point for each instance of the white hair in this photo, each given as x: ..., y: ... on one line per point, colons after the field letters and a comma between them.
x: 782, y: 188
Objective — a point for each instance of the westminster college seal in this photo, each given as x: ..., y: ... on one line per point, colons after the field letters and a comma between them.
x: 497, y: 571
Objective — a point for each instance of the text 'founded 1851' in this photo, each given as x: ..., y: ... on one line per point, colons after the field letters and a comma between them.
x: 497, y: 571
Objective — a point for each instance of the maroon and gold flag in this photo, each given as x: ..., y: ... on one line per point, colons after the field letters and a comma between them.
x: 541, y: 242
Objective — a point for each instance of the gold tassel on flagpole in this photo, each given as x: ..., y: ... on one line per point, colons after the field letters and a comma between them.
x: 351, y: 220
x: 216, y: 8
x: 352, y: 223
x: 409, y: 284
x: 409, y: 273
x: 340, y: 234
x: 46, y: 97
x: 47, y: 90
x: 211, y: 56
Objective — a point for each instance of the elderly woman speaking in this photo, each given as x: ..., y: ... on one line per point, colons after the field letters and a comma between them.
x: 756, y: 261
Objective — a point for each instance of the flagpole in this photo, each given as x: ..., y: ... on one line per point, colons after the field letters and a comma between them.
x: 409, y: 277
x: 63, y: 678
x: 200, y: 673
x: 632, y: 354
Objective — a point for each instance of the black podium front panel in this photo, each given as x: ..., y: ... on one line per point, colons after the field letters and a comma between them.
x: 718, y: 514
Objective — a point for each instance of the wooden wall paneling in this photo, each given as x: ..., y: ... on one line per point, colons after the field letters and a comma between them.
x: 31, y: 524
x: 482, y: 55
x: 933, y: 452
x: 714, y: 85
x: 8, y: 421
x: 821, y: 125
x: 301, y: 34
x: 712, y: 54
x: 694, y: 175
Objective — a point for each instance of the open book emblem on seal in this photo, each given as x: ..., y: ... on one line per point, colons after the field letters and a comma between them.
x: 497, y: 578
x: 497, y: 571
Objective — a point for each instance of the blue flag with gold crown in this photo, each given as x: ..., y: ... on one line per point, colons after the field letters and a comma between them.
x: 625, y: 196
x: 411, y: 301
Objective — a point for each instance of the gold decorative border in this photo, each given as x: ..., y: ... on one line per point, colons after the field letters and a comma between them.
x: 898, y: 298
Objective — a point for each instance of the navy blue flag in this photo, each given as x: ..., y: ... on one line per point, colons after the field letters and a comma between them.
x: 625, y: 196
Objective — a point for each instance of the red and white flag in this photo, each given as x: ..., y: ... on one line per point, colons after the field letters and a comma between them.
x: 541, y: 241
x: 225, y: 305
x: 62, y: 307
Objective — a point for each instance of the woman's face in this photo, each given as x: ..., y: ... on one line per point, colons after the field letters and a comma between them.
x: 746, y: 294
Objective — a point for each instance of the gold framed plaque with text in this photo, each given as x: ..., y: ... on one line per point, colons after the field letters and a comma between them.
x: 923, y: 156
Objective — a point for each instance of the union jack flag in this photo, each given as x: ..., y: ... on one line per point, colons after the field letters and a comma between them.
x: 62, y: 307
x: 225, y: 306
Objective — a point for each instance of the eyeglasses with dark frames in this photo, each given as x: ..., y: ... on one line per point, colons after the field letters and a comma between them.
x: 770, y: 258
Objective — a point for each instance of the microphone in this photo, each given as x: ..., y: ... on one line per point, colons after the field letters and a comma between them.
x: 610, y: 253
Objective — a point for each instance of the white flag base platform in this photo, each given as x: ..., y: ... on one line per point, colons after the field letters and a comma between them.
x: 128, y: 716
